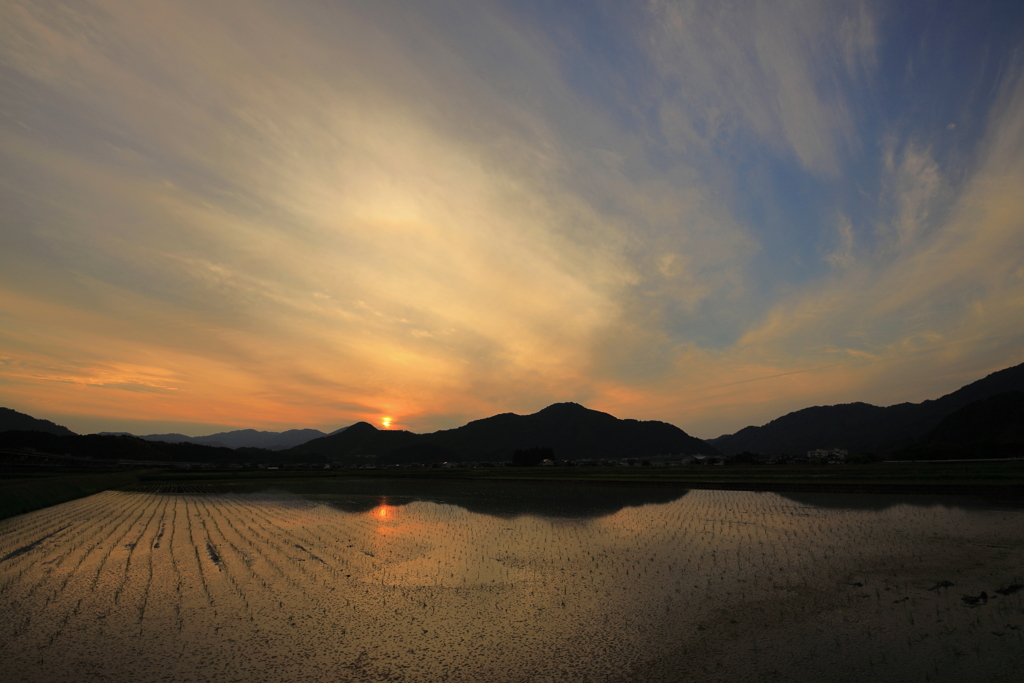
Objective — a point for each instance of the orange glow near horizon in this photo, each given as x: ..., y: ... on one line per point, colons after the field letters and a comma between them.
x: 139, y: 299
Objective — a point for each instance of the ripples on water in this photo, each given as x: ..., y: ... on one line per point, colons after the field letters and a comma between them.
x: 374, y: 581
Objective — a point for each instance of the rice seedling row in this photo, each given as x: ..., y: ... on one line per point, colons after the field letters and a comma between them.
x: 43, y: 616
x: 715, y: 585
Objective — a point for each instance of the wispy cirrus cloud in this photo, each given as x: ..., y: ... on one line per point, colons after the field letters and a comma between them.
x: 929, y: 309
x: 763, y: 73
x: 307, y: 214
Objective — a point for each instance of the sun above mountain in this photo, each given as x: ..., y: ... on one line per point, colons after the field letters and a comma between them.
x: 344, y: 248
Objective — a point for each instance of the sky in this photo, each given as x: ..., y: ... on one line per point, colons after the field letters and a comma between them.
x: 276, y: 215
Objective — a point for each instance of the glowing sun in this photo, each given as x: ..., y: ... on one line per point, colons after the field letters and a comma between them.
x: 386, y: 421
x: 384, y: 512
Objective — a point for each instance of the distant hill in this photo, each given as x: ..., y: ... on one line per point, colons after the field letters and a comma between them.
x: 990, y: 428
x: 861, y: 427
x: 12, y: 420
x: 106, y: 447
x: 244, y: 438
x: 570, y: 429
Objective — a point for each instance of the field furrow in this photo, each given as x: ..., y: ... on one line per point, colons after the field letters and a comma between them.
x: 206, y: 585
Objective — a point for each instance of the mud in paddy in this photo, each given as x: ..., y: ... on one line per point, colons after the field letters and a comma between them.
x: 379, y: 581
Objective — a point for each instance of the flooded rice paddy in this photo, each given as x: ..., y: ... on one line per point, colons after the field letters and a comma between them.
x: 399, y: 581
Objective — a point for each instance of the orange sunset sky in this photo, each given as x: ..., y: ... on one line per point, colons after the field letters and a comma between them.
x: 223, y: 215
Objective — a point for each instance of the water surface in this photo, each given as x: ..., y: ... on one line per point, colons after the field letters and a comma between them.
x: 406, y: 581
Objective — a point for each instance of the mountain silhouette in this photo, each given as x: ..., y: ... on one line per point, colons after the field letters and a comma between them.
x: 244, y: 438
x: 570, y: 429
x: 862, y: 427
x: 12, y: 420
x: 979, y: 423
x: 109, y: 447
x: 996, y: 419
x: 992, y: 427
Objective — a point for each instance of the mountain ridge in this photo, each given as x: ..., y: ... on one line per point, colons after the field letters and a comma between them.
x: 991, y: 427
x: 862, y: 427
x: 571, y: 430
x: 575, y: 432
x: 12, y: 420
x: 244, y: 438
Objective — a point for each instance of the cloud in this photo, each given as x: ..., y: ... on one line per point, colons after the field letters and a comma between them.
x: 307, y: 214
x: 302, y: 222
x: 916, y: 187
x: 842, y: 257
x: 888, y: 328
x: 763, y: 71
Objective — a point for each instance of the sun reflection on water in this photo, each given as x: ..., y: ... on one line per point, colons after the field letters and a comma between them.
x: 385, y: 512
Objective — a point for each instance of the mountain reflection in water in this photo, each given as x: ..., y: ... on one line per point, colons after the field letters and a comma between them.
x: 884, y: 501
x: 497, y: 499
